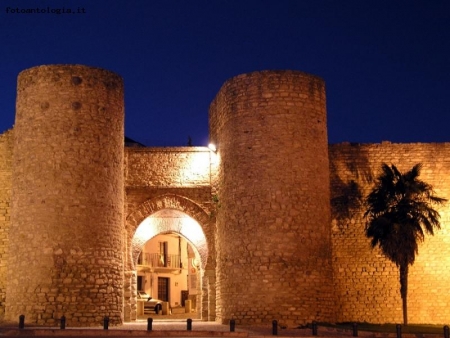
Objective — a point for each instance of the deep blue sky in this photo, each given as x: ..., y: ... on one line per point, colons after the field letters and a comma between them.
x: 386, y: 63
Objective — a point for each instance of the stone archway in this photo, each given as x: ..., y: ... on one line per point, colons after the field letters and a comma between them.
x: 195, y: 220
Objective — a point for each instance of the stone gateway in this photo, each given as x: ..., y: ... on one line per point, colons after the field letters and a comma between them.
x: 273, y: 217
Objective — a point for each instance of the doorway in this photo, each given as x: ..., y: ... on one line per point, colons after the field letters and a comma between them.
x: 163, y: 289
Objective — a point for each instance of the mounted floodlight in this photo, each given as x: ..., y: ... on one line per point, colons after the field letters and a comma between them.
x: 212, y: 147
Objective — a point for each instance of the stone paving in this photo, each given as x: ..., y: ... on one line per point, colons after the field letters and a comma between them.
x: 176, y: 325
x: 171, y: 327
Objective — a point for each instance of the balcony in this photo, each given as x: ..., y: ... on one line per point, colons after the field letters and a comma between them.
x: 155, y: 262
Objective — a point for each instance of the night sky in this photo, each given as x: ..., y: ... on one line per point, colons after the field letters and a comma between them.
x: 386, y: 63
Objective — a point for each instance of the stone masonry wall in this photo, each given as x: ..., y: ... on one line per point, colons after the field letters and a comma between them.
x: 6, y: 145
x: 169, y: 179
x: 367, y: 284
x: 72, y: 198
x: 273, y: 233
x: 65, y: 239
x: 168, y: 167
x: 181, y: 172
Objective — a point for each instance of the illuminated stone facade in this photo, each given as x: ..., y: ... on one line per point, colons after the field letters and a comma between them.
x: 273, y: 215
x: 273, y: 186
x: 65, y: 238
x: 366, y: 284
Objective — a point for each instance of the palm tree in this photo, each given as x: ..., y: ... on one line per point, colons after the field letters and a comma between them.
x: 399, y: 214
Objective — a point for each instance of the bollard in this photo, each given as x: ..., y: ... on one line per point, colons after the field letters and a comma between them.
x: 399, y: 331
x: 189, y: 324
x: 446, y: 332
x: 149, y: 324
x: 105, y: 323
x: 21, y: 321
x: 188, y: 306
x: 314, y: 328
x: 355, y: 329
x: 63, y: 323
x: 274, y: 328
x: 232, y: 325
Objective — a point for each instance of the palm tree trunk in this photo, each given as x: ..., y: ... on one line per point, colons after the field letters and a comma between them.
x: 404, y: 290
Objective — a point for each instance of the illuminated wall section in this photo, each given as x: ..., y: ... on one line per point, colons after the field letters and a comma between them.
x: 67, y: 205
x: 6, y: 154
x: 367, y: 284
x: 169, y: 190
x: 273, y: 224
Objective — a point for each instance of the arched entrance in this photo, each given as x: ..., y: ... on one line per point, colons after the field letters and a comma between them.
x: 170, y: 216
x: 168, y: 271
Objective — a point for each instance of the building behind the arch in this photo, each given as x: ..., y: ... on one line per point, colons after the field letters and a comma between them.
x: 278, y: 210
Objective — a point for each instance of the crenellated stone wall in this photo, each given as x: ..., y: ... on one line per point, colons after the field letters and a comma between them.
x: 367, y: 284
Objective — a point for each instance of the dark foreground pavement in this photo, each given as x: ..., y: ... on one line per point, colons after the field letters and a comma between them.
x: 166, y: 328
x: 178, y: 328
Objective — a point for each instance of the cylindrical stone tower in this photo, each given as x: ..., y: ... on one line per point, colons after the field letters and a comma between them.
x: 273, y: 224
x: 65, y: 254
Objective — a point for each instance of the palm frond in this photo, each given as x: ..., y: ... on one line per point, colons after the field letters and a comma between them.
x: 400, y: 212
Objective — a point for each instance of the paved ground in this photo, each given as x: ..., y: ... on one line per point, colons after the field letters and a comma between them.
x: 176, y: 326
x: 171, y: 327
x: 240, y: 330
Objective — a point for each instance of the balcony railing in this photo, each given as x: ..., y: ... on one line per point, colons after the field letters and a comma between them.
x: 156, y: 260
